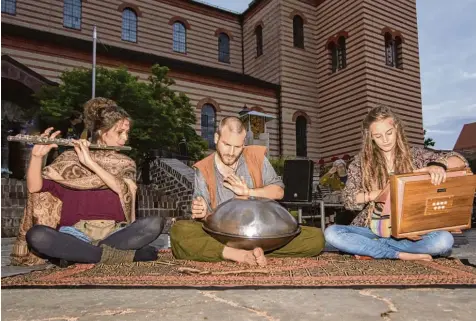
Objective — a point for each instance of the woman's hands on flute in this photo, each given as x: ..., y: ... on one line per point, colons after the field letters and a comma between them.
x: 34, y: 181
x: 81, y: 147
x: 41, y: 151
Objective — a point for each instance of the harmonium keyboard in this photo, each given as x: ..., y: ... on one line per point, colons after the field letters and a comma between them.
x: 419, y: 207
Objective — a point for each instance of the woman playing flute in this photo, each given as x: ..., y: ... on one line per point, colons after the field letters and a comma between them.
x: 385, y: 150
x: 81, y: 207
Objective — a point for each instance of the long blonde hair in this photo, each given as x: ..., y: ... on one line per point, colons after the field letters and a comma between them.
x: 374, y: 166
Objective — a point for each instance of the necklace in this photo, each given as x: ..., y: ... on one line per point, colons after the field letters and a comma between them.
x: 224, y: 169
x: 390, y: 169
x: 390, y: 165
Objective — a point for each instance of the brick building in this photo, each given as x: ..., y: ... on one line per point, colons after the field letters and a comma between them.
x: 466, y: 143
x: 317, y: 66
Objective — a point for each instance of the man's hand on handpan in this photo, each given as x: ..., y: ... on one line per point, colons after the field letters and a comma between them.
x: 199, y: 208
x: 237, y: 185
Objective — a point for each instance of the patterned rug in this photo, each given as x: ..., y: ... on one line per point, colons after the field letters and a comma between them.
x: 326, y: 270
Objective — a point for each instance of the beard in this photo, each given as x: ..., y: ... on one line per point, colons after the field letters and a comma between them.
x: 228, y: 160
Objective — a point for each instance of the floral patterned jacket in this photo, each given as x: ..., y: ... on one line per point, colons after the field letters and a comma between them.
x: 354, y: 185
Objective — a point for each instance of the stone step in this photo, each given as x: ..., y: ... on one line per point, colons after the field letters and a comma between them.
x: 150, y: 192
x: 166, y: 204
x: 13, y: 202
x: 156, y: 212
x: 11, y: 219
x: 161, y: 197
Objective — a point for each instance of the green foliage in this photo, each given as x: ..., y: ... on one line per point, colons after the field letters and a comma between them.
x: 278, y: 164
x: 472, y: 165
x: 429, y: 142
x: 161, y: 117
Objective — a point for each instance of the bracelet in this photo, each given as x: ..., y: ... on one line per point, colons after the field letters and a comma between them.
x: 437, y: 164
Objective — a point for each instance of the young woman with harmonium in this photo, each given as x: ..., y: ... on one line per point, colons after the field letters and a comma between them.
x: 385, y: 151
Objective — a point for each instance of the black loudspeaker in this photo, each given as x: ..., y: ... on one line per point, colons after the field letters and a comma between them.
x: 297, y: 179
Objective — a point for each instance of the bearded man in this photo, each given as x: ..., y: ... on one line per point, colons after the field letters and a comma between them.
x: 234, y: 171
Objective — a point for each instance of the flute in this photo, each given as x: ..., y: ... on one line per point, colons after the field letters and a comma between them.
x: 59, y: 141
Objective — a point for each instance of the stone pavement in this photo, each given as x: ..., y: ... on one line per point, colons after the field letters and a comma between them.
x: 238, y: 304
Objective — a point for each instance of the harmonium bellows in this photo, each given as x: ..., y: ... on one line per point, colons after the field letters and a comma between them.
x: 419, y: 207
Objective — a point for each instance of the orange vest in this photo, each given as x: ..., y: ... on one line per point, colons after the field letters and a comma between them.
x: 254, y: 158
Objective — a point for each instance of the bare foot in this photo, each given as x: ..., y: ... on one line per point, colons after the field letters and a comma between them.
x: 259, y: 255
x: 363, y: 257
x: 414, y: 257
x: 240, y: 256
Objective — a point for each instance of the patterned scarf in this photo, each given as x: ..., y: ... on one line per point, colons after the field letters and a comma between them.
x: 45, y: 209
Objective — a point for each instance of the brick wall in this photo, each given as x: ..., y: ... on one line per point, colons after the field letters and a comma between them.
x: 152, y: 202
x: 13, y: 202
x: 175, y: 180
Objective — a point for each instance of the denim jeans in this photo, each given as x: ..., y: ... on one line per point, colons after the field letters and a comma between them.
x: 362, y: 241
x: 78, y: 234
x: 74, y: 232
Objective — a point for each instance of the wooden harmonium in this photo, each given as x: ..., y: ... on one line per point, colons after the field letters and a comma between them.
x: 419, y: 207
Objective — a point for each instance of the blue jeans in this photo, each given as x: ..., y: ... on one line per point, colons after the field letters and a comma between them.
x: 78, y: 234
x: 74, y: 232
x: 362, y: 241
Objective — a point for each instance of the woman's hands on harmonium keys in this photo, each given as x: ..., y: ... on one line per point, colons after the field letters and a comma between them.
x: 40, y: 150
x: 437, y: 173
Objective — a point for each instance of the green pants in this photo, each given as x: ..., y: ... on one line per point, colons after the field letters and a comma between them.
x: 190, y: 242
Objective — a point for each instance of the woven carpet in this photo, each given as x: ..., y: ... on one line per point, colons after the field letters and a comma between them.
x: 326, y: 270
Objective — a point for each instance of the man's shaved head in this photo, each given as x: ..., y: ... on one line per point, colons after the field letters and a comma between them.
x: 230, y: 140
x: 232, y: 123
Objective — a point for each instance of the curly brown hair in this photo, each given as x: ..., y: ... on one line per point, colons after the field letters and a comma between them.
x: 101, y: 114
x: 374, y: 166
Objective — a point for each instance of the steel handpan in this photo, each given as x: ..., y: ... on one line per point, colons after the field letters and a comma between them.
x: 250, y: 223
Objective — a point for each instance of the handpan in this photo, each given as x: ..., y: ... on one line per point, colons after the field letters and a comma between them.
x: 250, y: 223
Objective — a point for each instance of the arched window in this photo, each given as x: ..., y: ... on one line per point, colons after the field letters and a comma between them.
x: 223, y: 48
x: 298, y: 31
x: 72, y: 14
x: 332, y: 48
x: 301, y: 136
x: 338, y: 53
x: 259, y: 40
x: 393, y: 50
x: 208, y: 124
x: 341, y: 52
x: 389, y: 50
x: 180, y: 37
x: 398, y: 52
x: 129, y: 25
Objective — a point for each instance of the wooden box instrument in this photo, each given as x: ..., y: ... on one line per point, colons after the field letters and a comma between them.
x: 419, y: 207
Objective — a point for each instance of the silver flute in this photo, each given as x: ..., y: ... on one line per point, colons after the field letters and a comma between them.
x: 38, y: 140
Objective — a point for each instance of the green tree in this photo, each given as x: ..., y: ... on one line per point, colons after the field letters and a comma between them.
x: 161, y: 117
x: 429, y: 142
x: 278, y: 163
x: 472, y: 165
